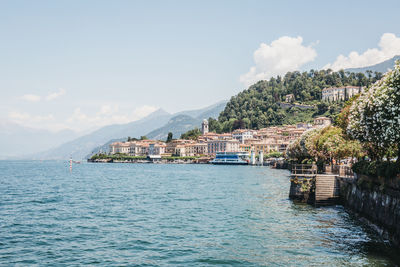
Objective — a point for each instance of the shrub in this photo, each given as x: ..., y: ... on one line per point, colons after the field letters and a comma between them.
x: 385, y: 169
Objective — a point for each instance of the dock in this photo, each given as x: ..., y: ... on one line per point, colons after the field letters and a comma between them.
x: 308, y: 186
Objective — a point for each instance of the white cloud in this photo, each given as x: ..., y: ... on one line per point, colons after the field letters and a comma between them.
x: 389, y: 46
x: 55, y: 95
x: 31, y: 97
x: 49, y: 97
x: 282, y: 55
x: 28, y: 119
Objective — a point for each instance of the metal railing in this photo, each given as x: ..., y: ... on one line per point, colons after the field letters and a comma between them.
x: 304, y: 170
x: 341, y: 170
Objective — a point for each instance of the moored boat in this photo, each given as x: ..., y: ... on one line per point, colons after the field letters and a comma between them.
x: 231, y: 158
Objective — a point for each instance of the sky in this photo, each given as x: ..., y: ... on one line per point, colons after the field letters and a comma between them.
x: 83, y: 64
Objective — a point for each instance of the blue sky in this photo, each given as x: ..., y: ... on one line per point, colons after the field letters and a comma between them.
x: 83, y: 64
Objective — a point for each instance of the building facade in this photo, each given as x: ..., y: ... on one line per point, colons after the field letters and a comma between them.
x: 334, y: 94
x: 223, y: 145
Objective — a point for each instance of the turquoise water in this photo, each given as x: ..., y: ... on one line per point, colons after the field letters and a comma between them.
x: 171, y: 215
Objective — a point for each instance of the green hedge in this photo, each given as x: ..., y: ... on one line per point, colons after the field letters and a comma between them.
x: 384, y: 169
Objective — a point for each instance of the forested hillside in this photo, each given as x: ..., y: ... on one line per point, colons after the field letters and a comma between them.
x: 258, y: 106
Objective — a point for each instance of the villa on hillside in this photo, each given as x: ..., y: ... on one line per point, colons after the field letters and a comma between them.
x: 333, y: 94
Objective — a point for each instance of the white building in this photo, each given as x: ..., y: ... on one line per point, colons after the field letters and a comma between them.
x: 243, y: 134
x: 333, y: 94
x: 322, y: 121
x: 223, y: 145
x: 119, y: 147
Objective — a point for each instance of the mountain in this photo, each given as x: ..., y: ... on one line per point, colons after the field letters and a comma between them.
x: 380, y: 67
x: 99, y: 140
x: 17, y: 140
x: 178, y: 123
x: 84, y: 145
x: 187, y: 120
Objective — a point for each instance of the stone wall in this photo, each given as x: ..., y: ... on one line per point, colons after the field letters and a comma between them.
x: 302, y: 190
x: 377, y: 204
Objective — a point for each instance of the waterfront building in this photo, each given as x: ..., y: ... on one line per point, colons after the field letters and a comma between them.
x: 156, y: 149
x: 334, y: 94
x: 119, y: 147
x: 196, y: 149
x: 180, y: 151
x: 223, y: 145
x: 269, y: 145
x: 171, y: 146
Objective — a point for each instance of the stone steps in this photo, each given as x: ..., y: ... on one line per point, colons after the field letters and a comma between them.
x: 326, y: 190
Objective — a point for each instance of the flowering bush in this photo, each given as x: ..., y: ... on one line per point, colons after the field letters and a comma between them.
x: 297, y: 150
x: 323, y: 144
x: 375, y: 117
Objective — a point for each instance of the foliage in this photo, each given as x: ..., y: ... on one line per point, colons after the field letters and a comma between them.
x: 117, y: 156
x: 385, y: 169
x: 132, y: 139
x: 259, y: 105
x: 375, y: 118
x: 323, y: 145
x: 169, y: 138
x: 297, y: 150
x: 273, y: 155
x: 143, y: 137
x: 191, y: 134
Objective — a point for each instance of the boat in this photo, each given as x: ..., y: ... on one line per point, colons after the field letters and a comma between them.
x: 231, y: 158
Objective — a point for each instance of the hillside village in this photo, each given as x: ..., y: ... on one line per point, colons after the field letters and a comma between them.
x: 266, y: 140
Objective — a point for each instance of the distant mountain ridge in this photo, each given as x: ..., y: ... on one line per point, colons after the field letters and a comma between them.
x: 17, y: 140
x: 380, y: 67
x: 153, y: 125
x: 177, y: 124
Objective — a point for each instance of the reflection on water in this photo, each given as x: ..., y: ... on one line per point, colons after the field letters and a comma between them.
x: 169, y: 215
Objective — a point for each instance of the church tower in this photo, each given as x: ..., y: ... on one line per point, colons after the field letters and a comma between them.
x: 204, y: 127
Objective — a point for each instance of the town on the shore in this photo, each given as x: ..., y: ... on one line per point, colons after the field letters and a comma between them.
x: 270, y: 141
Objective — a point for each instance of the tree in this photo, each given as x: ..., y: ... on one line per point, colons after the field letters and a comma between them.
x: 169, y: 138
x: 324, y: 144
x: 238, y: 124
x: 260, y: 103
x: 191, y: 134
x: 143, y: 137
x: 375, y: 117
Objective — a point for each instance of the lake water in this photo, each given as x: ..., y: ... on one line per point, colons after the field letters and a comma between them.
x: 171, y: 215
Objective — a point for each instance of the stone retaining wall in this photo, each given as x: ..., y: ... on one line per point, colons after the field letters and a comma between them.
x: 381, y: 206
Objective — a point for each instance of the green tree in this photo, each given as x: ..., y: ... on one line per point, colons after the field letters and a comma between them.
x: 191, y: 134
x: 169, y: 138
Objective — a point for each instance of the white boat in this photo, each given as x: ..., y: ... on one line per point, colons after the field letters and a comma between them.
x: 231, y: 158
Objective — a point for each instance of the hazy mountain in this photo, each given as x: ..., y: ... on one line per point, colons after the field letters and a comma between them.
x: 185, y: 121
x: 17, y: 140
x: 84, y: 145
x: 179, y: 123
x: 380, y: 67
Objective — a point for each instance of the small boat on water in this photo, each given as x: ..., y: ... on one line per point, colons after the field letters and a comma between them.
x: 231, y: 158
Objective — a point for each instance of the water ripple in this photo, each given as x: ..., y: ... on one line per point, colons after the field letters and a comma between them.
x: 171, y: 215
